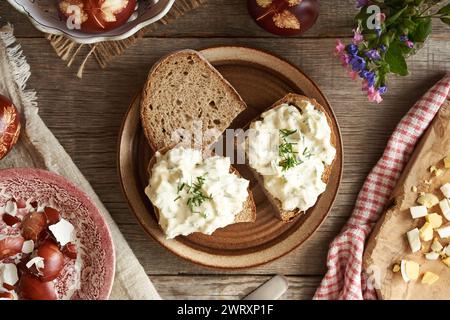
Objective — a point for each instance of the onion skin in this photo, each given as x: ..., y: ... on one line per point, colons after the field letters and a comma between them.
x: 32, y: 225
x: 11, y: 246
x: 9, y: 126
x: 31, y: 288
x: 52, y: 215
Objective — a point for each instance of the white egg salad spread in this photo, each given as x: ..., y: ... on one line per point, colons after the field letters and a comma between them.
x: 193, y: 194
x: 290, y: 147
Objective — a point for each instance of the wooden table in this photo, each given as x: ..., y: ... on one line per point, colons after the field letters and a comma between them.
x: 85, y: 115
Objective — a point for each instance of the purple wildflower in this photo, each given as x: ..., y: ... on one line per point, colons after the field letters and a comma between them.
x: 357, y: 63
x: 382, y: 89
x: 369, y: 76
x: 373, y: 54
x: 383, y: 48
x: 378, y: 32
x: 352, y: 49
x: 362, y: 3
x: 404, y: 38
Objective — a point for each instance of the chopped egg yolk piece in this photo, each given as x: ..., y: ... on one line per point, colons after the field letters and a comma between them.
x: 446, y: 261
x: 428, y: 200
x: 426, y: 232
x: 447, y: 162
x: 429, y: 278
x: 436, y: 246
x: 434, y: 219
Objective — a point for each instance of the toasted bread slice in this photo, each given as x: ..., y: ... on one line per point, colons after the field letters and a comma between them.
x: 295, y: 100
x: 185, y: 92
x: 248, y: 213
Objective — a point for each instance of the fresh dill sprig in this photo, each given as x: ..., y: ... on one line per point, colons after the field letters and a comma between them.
x: 286, y: 151
x: 196, y: 196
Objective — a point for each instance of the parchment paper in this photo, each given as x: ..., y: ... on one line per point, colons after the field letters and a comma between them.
x: 388, y: 243
x: 38, y: 147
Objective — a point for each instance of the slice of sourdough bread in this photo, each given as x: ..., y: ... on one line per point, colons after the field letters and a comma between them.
x: 248, y: 213
x: 296, y: 100
x: 185, y: 92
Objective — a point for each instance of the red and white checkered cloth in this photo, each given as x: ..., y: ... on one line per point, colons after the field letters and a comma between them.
x: 344, y: 279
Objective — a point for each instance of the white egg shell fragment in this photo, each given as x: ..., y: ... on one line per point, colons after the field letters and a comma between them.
x: 414, y: 240
x: 8, y: 274
x: 28, y: 246
x: 63, y: 231
x: 36, y: 261
x: 418, y: 212
x: 11, y: 207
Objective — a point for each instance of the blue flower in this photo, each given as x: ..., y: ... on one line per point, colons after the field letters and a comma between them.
x: 383, y: 48
x: 378, y: 32
x: 369, y: 76
x: 373, y: 54
x: 404, y: 38
x: 352, y: 49
x: 382, y: 89
x: 357, y: 63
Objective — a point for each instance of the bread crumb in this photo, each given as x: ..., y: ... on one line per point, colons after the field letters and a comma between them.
x: 414, y: 189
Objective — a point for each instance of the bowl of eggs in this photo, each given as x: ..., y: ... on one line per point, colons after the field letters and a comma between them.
x: 92, y: 21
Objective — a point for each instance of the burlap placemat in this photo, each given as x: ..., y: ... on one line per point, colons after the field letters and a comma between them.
x: 38, y: 148
x: 104, y: 52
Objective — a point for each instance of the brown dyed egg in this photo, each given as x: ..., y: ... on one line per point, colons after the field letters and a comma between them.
x: 9, y: 126
x: 96, y: 16
x: 284, y: 17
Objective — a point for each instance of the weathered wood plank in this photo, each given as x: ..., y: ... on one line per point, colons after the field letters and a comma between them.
x: 86, y: 114
x: 228, y: 288
x: 335, y: 20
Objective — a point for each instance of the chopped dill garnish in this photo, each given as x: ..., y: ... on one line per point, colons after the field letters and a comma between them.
x: 286, y: 151
x: 196, y: 196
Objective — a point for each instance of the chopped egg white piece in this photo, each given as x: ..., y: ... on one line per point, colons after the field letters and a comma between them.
x: 36, y: 261
x: 432, y: 256
x: 446, y: 190
x: 445, y: 208
x: 429, y: 278
x: 429, y: 200
x: 11, y: 208
x: 410, y: 270
x: 444, y: 232
x: 63, y: 231
x: 8, y: 273
x: 447, y: 250
x: 414, y: 240
x: 436, y: 246
x: 434, y: 219
x: 28, y: 246
x: 418, y: 212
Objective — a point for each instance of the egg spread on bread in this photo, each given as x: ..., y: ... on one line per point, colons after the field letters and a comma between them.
x: 193, y: 194
x: 290, y: 147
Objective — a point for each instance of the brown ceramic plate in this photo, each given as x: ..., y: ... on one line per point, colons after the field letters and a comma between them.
x: 261, y: 79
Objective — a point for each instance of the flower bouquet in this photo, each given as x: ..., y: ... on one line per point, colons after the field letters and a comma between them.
x: 385, y: 34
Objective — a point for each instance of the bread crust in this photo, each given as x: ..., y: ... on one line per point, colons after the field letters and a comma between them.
x: 295, y: 99
x: 146, y: 93
x: 248, y: 214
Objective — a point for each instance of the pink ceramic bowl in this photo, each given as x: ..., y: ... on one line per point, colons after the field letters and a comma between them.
x: 97, y: 254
